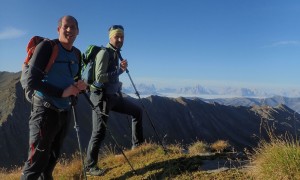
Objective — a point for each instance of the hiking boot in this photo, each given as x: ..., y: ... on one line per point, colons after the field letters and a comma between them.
x: 95, y: 171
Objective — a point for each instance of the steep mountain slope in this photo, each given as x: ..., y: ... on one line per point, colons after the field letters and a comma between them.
x: 185, y: 119
x: 175, y: 119
x: 8, y: 93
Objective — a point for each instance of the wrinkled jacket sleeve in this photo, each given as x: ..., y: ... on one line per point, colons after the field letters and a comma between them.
x: 37, y: 65
x: 101, y: 68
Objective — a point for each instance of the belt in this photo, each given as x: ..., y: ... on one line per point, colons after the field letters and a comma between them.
x: 49, y: 105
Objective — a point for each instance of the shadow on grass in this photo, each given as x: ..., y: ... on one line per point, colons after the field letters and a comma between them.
x: 169, y: 168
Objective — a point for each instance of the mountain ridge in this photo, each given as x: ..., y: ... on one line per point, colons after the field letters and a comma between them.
x: 177, y: 120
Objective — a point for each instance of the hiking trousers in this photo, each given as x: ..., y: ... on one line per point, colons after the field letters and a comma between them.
x: 114, y: 102
x: 47, y: 130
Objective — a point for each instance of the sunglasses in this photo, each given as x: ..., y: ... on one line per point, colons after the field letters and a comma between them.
x: 116, y: 27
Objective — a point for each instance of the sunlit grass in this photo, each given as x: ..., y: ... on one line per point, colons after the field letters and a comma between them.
x: 198, y: 147
x: 278, y: 159
x: 149, y: 161
x: 220, y: 145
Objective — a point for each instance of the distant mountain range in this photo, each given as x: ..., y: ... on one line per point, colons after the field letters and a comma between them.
x: 198, y: 90
x: 177, y: 120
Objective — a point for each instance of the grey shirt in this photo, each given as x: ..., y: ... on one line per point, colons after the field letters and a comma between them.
x: 107, y: 69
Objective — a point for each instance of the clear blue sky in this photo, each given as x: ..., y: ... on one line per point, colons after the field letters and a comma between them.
x: 172, y: 43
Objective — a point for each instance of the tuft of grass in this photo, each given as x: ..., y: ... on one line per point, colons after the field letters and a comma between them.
x: 278, y: 159
x: 69, y: 168
x: 220, y: 146
x: 198, y: 147
x: 12, y: 174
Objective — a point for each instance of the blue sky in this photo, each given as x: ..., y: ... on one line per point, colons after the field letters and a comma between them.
x: 248, y: 43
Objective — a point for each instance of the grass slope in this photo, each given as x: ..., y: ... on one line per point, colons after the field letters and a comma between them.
x: 277, y: 159
x: 149, y: 162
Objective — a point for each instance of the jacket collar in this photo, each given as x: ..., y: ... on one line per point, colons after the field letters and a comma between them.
x: 112, y: 47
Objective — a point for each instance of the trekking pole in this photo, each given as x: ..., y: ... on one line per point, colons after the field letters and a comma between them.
x: 76, y: 127
x: 105, y: 125
x: 138, y: 95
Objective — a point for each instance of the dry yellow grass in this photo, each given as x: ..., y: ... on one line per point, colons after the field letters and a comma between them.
x: 279, y: 159
x: 220, y: 145
x: 271, y: 160
x: 198, y: 147
x: 149, y: 162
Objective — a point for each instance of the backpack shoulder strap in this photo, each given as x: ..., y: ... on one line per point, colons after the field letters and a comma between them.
x: 111, y: 52
x: 54, y: 44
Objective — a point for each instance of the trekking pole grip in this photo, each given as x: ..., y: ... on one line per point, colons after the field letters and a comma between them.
x: 73, y: 100
x: 121, y: 58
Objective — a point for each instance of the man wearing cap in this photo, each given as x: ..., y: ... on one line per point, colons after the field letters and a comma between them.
x: 106, y: 92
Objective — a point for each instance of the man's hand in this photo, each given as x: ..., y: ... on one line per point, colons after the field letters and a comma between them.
x: 124, y: 64
x: 74, y: 89
x: 81, y: 85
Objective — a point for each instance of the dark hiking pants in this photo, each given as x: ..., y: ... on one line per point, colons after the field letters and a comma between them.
x: 117, y: 103
x: 47, y: 129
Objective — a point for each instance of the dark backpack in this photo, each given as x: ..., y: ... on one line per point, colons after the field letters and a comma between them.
x: 34, y: 41
x: 88, y: 63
